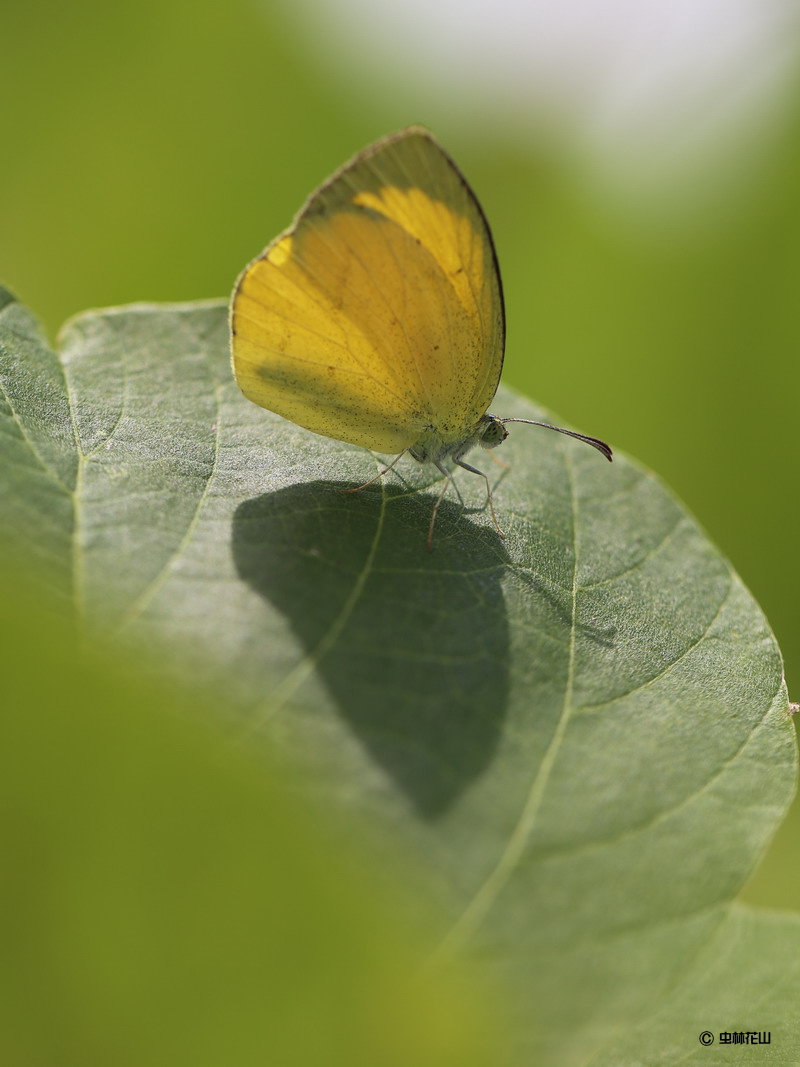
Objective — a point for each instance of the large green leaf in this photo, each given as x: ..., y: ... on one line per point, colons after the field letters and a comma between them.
x: 580, y: 731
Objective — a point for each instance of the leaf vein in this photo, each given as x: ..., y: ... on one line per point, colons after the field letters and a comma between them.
x: 668, y: 536
x: 34, y: 451
x: 139, y: 606
x: 292, y: 681
x: 591, y: 708
x: 666, y: 813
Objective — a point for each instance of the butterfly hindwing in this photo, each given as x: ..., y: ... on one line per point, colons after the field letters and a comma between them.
x: 379, y: 313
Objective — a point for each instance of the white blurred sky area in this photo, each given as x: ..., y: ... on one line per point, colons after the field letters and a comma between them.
x: 642, y: 87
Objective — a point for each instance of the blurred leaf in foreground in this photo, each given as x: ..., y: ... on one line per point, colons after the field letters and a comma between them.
x: 580, y: 732
x: 164, y: 900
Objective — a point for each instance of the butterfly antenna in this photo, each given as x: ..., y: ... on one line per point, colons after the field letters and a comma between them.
x: 595, y: 442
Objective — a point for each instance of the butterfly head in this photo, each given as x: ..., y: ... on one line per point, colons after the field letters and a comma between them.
x: 491, y: 432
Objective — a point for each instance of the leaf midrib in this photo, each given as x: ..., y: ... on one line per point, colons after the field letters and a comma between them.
x: 488, y: 892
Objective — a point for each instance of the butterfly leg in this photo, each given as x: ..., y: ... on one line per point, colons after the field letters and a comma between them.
x: 380, y: 474
x: 454, y: 483
x: 447, y: 479
x: 474, y: 470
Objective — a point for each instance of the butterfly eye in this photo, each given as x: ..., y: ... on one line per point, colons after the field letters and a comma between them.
x: 494, y: 433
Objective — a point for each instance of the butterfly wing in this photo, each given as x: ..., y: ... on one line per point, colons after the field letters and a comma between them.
x: 379, y: 314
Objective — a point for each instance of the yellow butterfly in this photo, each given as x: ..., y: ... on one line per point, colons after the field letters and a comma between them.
x: 377, y: 317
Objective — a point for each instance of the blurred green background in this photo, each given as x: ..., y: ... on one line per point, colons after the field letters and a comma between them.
x: 152, y: 149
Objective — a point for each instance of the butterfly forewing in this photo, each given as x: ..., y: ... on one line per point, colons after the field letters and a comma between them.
x: 379, y: 314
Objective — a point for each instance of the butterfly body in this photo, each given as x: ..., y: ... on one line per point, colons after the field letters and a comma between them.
x: 435, y: 447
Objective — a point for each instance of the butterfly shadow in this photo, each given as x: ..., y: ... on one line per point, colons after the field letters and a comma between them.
x: 411, y: 646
